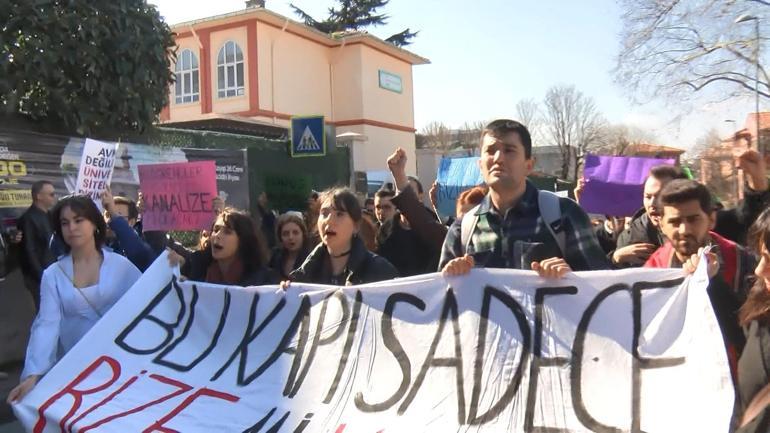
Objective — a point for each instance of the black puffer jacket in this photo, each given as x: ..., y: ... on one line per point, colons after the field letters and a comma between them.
x: 277, y: 258
x: 363, y: 267
x: 641, y: 231
x: 732, y: 224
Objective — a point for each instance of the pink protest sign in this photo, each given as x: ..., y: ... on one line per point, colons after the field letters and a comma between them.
x: 178, y: 196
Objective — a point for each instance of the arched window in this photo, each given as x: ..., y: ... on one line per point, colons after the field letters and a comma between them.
x: 186, y: 87
x: 230, y: 71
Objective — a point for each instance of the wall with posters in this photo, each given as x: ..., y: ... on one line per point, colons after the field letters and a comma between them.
x: 244, y: 164
x: 268, y: 159
x: 30, y: 157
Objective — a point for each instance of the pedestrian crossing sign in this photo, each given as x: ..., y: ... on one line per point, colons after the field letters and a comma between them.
x: 307, y: 136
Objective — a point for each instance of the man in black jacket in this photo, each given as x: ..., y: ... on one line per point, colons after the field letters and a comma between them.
x: 643, y: 236
x: 411, y: 239
x: 35, y: 224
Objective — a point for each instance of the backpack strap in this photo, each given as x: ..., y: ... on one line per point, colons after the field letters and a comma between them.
x: 550, y: 210
x: 467, y: 226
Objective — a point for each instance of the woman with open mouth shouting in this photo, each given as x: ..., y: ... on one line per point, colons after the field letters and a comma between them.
x: 234, y: 254
x: 341, y: 258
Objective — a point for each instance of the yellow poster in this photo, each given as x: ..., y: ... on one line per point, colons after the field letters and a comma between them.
x: 15, y: 198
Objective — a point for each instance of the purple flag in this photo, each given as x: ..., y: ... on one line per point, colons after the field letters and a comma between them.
x: 615, y: 184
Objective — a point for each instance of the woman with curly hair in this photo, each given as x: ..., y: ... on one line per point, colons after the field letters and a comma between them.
x: 234, y: 254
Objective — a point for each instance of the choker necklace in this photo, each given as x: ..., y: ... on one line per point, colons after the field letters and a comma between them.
x: 340, y: 255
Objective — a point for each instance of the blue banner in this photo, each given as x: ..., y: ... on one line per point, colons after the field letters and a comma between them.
x: 455, y: 175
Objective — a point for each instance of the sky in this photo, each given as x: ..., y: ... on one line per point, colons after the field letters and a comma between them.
x: 489, y: 54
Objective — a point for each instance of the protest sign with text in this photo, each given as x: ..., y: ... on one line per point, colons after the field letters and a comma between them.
x: 496, y: 350
x: 95, y: 172
x: 178, y: 196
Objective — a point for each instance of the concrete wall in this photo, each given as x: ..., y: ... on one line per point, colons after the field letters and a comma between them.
x: 294, y: 73
x: 347, y: 87
x: 548, y: 161
x: 382, y: 104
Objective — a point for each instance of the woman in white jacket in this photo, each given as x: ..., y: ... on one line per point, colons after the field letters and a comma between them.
x: 76, y: 291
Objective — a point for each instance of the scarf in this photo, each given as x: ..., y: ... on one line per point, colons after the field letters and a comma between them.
x: 233, y: 275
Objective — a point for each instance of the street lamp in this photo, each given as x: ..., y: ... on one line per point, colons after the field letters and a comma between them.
x: 742, y: 19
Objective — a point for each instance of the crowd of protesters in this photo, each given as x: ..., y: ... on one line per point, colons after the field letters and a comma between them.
x: 505, y: 223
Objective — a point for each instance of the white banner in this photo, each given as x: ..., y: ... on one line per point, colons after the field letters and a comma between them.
x: 494, y: 351
x: 96, y: 166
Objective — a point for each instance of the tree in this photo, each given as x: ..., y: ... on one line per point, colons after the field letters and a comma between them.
x: 85, y: 66
x: 714, y: 164
x: 677, y: 48
x: 573, y: 123
x: 709, y: 140
x: 468, y: 135
x: 616, y: 139
x: 355, y: 15
x: 528, y: 113
x: 437, y: 135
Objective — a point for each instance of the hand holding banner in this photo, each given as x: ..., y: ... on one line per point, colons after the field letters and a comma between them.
x: 96, y: 166
x: 496, y: 350
x: 178, y: 196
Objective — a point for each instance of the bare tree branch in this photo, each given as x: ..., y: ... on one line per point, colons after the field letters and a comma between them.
x: 437, y: 135
x: 677, y: 48
x: 573, y: 124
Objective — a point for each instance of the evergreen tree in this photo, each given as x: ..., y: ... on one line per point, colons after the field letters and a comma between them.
x: 85, y: 66
x: 355, y: 15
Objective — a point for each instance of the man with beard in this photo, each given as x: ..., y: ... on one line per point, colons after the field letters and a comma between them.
x: 643, y: 235
x: 688, y: 218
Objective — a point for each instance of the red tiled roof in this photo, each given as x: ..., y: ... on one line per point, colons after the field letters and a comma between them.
x: 652, y: 148
x: 751, y: 119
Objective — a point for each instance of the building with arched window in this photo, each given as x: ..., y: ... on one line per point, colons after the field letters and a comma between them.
x: 260, y: 68
x: 230, y: 71
x: 187, y: 74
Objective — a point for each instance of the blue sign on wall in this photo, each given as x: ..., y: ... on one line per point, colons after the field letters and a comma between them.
x: 307, y: 136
